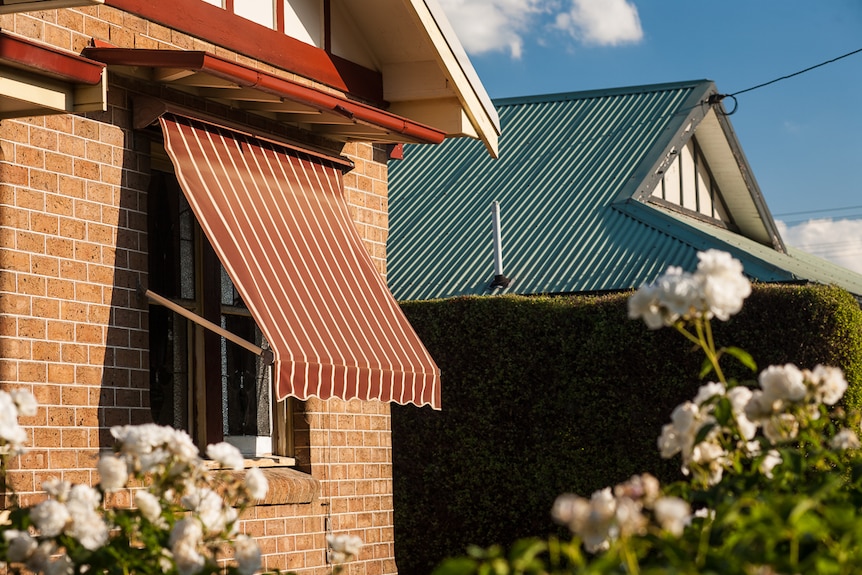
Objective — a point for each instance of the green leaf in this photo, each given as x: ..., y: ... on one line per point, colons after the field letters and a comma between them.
x: 456, y: 566
x: 742, y: 356
x: 705, y: 368
x: 703, y: 432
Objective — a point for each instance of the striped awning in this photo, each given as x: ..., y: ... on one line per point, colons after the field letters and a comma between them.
x: 278, y: 221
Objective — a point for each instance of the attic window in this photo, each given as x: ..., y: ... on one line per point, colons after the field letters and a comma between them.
x: 299, y: 19
x: 688, y: 183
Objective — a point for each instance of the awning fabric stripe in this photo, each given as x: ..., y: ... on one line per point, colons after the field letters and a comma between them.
x: 279, y: 223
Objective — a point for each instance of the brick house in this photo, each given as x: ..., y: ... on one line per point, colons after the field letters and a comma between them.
x: 193, y: 225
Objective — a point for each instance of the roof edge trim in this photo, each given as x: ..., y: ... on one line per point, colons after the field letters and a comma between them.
x: 467, y: 85
x: 689, y: 113
x: 598, y: 92
x: 748, y: 177
x: 248, y: 77
x: 34, y: 56
x: 651, y: 215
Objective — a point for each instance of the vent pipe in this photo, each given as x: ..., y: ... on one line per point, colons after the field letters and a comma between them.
x: 500, y: 280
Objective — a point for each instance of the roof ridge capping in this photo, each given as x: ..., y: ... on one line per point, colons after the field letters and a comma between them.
x: 697, y: 85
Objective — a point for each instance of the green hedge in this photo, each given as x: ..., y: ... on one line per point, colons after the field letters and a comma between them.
x: 547, y: 395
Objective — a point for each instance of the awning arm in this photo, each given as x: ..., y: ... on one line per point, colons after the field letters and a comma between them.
x: 266, y: 354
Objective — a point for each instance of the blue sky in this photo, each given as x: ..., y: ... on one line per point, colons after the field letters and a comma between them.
x: 802, y: 136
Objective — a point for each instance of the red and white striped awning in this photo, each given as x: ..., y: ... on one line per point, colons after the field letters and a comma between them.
x: 279, y: 223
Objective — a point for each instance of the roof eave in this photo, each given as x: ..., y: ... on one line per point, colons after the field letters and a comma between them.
x: 39, y: 79
x: 264, y: 82
x: 451, y: 56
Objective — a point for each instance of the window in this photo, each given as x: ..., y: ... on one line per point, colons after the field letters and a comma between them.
x: 688, y: 183
x: 300, y: 19
x: 199, y: 381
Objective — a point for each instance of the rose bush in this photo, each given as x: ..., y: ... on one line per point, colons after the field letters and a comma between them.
x: 184, y: 520
x: 773, y: 466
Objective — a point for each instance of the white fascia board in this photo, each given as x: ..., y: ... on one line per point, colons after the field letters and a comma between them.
x: 477, y: 104
x: 446, y: 114
x: 26, y: 94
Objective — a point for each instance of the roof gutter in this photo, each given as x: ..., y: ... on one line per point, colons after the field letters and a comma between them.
x: 245, y: 76
x: 32, y: 56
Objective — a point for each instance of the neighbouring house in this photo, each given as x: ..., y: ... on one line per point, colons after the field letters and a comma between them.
x: 193, y: 226
x: 594, y: 191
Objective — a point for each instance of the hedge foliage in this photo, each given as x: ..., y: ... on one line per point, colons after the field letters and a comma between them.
x: 546, y: 395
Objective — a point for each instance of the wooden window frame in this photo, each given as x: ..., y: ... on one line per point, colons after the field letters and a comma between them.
x: 204, y: 359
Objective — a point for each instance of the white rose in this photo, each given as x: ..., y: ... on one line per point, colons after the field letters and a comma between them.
x: 62, y: 565
x: 668, y: 442
x: 21, y: 545
x: 50, y: 517
x: 679, y: 293
x: 845, y: 439
x: 248, y: 558
x: 256, y: 483
x: 149, y: 506
x: 629, y: 518
x: 830, y: 383
x: 769, y: 462
x: 740, y: 396
x: 781, y: 428
x: 644, y: 303
x: 781, y: 384
x: 707, y: 391
x: 227, y: 455
x: 724, y: 286
x: 89, y: 528
x: 25, y: 402
x: 343, y: 547
x: 113, y: 473
x: 673, y: 514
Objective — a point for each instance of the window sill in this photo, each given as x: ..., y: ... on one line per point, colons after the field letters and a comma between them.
x: 287, y: 486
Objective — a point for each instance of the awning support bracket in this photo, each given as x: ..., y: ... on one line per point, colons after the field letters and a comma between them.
x: 266, y: 354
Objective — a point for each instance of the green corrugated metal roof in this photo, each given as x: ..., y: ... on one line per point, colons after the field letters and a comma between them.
x: 571, y: 169
x: 761, y: 262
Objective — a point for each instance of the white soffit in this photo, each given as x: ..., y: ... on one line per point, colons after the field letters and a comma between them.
x: 466, y: 83
x: 427, y: 76
x: 37, y: 79
x: 726, y: 169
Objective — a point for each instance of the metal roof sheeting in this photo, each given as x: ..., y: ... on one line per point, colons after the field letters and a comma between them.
x: 569, y: 167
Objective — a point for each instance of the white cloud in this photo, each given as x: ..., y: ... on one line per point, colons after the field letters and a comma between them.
x: 602, y: 22
x: 493, y: 25
x: 502, y: 25
x: 839, y: 241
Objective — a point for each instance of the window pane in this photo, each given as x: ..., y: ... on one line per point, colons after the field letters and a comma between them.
x: 245, y: 381
x: 260, y: 11
x: 303, y: 21
x: 229, y: 295
x: 187, y: 249
x: 169, y: 365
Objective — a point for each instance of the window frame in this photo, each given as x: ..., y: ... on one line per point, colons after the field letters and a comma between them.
x: 690, y: 184
x: 204, y: 417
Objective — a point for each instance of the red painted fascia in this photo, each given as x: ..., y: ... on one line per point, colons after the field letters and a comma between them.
x: 27, y: 54
x: 217, y: 25
x: 269, y: 83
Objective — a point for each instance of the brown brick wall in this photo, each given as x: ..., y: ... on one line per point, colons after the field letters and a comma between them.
x: 73, y: 220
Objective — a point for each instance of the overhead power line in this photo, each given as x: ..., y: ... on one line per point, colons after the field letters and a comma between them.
x: 796, y: 73
x: 716, y: 98
x: 853, y: 217
x: 804, y: 212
